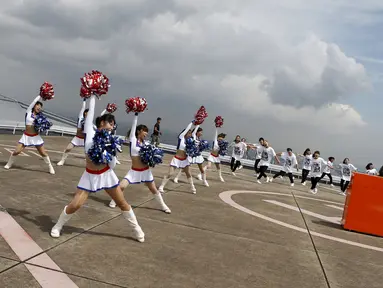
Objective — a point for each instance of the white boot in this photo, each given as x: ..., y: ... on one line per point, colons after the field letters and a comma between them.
x: 62, y: 161
x: 192, y: 188
x: 138, y: 233
x: 55, y: 232
x: 10, y: 162
x: 199, y: 176
x: 48, y: 161
x: 220, y: 175
x: 112, y: 204
x: 160, y: 200
x: 118, y: 162
x: 164, y: 182
x: 177, y: 177
x: 204, y: 180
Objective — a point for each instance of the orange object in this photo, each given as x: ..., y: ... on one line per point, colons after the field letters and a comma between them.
x: 363, y: 209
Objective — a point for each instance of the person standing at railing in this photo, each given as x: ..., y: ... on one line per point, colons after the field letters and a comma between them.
x: 35, y: 123
x: 156, y: 133
x: 306, y: 167
x: 268, y: 154
x: 346, y: 170
x: 290, y: 161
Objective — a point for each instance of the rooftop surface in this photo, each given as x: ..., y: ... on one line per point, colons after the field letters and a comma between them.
x: 233, y: 234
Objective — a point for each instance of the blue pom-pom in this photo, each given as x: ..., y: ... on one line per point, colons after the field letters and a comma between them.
x: 105, y: 147
x: 191, y: 148
x: 223, y: 145
x: 204, y: 145
x: 151, y: 155
x: 41, y: 123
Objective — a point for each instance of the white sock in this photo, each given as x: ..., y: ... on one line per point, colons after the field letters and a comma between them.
x: 63, y: 158
x: 160, y: 200
x: 11, y: 160
x: 131, y: 218
x: 192, y: 184
x: 48, y: 161
x: 64, y: 217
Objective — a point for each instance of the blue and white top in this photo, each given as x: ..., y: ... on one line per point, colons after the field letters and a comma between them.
x: 29, y: 116
x: 181, y: 138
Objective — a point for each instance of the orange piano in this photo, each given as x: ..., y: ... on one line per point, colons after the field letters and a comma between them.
x: 363, y: 209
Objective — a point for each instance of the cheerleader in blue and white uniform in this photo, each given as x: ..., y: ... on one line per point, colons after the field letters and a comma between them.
x: 98, y: 177
x: 180, y: 160
x: 78, y: 140
x: 139, y: 171
x: 214, y: 157
x: 30, y: 136
x: 196, y: 135
x: 114, y: 132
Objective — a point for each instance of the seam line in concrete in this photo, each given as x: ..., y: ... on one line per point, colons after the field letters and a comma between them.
x: 312, y: 242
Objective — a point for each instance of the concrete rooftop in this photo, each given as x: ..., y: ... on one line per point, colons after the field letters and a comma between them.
x: 282, y: 237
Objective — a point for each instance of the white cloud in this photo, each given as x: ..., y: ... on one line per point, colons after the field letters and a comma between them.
x: 263, y: 59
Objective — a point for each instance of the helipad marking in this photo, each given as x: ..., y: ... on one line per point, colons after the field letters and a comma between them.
x: 24, y: 247
x: 21, y: 154
x: 335, y: 220
x: 335, y: 207
x: 226, y: 197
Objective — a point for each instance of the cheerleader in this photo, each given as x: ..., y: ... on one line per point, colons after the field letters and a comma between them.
x: 370, y: 170
x: 114, y: 132
x: 268, y: 154
x: 180, y: 160
x: 290, y: 161
x: 316, y: 167
x: 306, y: 167
x: 346, y: 170
x: 140, y: 172
x: 214, y: 155
x: 78, y: 140
x: 98, y: 177
x: 30, y: 136
x: 239, y: 149
x: 196, y: 135
x: 327, y: 170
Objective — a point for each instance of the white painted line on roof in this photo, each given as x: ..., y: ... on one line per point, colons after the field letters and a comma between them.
x: 335, y: 207
x: 21, y: 154
x: 24, y: 247
x: 335, y: 220
x: 226, y: 197
x: 36, y: 154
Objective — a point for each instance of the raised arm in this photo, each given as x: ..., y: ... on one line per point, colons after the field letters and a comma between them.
x: 30, y: 107
x: 132, y: 136
x: 88, y: 126
x: 103, y: 112
x: 80, y: 115
x: 215, y: 144
x: 195, y: 132
x: 182, y: 135
x: 353, y: 167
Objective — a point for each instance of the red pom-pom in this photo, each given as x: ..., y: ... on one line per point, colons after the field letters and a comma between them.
x: 46, y: 91
x: 84, y: 92
x: 218, y: 121
x: 200, y: 116
x: 96, y: 82
x: 136, y: 104
x: 111, y: 107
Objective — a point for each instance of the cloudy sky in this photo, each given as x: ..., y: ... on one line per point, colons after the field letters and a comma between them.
x: 305, y: 73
